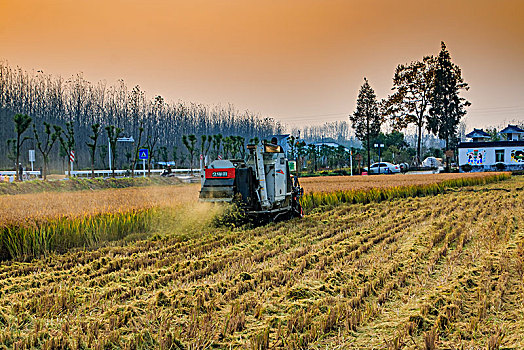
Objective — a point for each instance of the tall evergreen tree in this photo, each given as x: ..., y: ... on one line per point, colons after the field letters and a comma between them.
x: 447, y: 107
x: 366, y: 120
x: 410, y: 103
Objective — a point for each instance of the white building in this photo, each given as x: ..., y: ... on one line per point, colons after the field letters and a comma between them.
x: 485, y: 155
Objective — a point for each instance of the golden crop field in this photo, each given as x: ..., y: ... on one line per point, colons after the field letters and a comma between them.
x: 442, y: 271
x: 31, y: 207
x: 39, y: 223
x: 343, y: 183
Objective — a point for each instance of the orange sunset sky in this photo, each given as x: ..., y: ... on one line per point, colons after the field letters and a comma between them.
x: 299, y: 61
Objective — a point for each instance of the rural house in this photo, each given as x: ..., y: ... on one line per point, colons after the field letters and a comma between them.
x: 485, y: 155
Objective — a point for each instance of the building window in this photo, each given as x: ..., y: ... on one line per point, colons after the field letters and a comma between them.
x: 499, y: 156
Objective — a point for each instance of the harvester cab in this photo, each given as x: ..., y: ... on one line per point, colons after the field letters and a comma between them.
x: 262, y: 185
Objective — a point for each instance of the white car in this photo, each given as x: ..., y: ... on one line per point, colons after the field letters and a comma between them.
x: 384, y: 168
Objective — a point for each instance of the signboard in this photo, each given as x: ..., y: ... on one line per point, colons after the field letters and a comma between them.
x: 227, y: 173
x: 31, y: 155
x: 476, y: 156
x: 143, y: 153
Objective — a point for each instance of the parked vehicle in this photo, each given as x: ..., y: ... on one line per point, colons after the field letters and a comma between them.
x: 432, y: 162
x: 404, y: 167
x: 383, y: 168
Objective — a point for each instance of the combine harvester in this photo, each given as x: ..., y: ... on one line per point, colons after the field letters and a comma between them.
x: 262, y: 186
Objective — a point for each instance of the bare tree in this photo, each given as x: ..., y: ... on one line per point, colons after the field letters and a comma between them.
x: 58, y: 101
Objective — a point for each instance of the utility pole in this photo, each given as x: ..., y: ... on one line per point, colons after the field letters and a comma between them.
x: 351, y: 161
x: 379, y: 146
x: 120, y: 139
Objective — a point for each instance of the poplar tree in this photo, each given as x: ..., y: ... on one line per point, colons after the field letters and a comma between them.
x: 113, y: 133
x: 95, y: 128
x: 366, y: 120
x: 137, y: 149
x: 189, y: 142
x: 67, y: 140
x: 46, y: 145
x: 22, y: 122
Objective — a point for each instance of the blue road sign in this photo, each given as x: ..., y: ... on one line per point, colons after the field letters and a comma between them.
x: 143, y: 153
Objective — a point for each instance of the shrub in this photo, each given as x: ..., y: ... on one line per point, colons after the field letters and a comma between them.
x: 500, y: 166
x: 466, y: 167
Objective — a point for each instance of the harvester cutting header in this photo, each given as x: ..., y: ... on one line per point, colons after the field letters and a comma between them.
x: 262, y: 185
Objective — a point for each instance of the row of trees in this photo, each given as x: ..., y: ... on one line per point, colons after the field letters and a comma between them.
x: 426, y: 94
x: 70, y: 115
x: 83, y: 104
x: 50, y: 135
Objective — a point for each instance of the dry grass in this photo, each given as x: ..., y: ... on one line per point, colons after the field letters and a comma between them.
x: 344, y: 183
x: 430, y: 272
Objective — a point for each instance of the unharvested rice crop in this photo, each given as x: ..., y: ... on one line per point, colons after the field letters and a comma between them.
x: 386, y: 189
x: 35, y: 224
x: 35, y: 207
x: 343, y: 183
x: 429, y: 272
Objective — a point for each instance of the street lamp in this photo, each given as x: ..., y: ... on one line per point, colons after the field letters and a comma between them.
x: 379, y: 146
x: 120, y: 139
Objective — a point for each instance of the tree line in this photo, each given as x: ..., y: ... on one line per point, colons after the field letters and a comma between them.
x: 89, y: 118
x: 426, y: 94
x: 76, y: 105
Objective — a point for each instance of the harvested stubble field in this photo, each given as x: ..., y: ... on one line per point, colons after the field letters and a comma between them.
x: 444, y: 271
